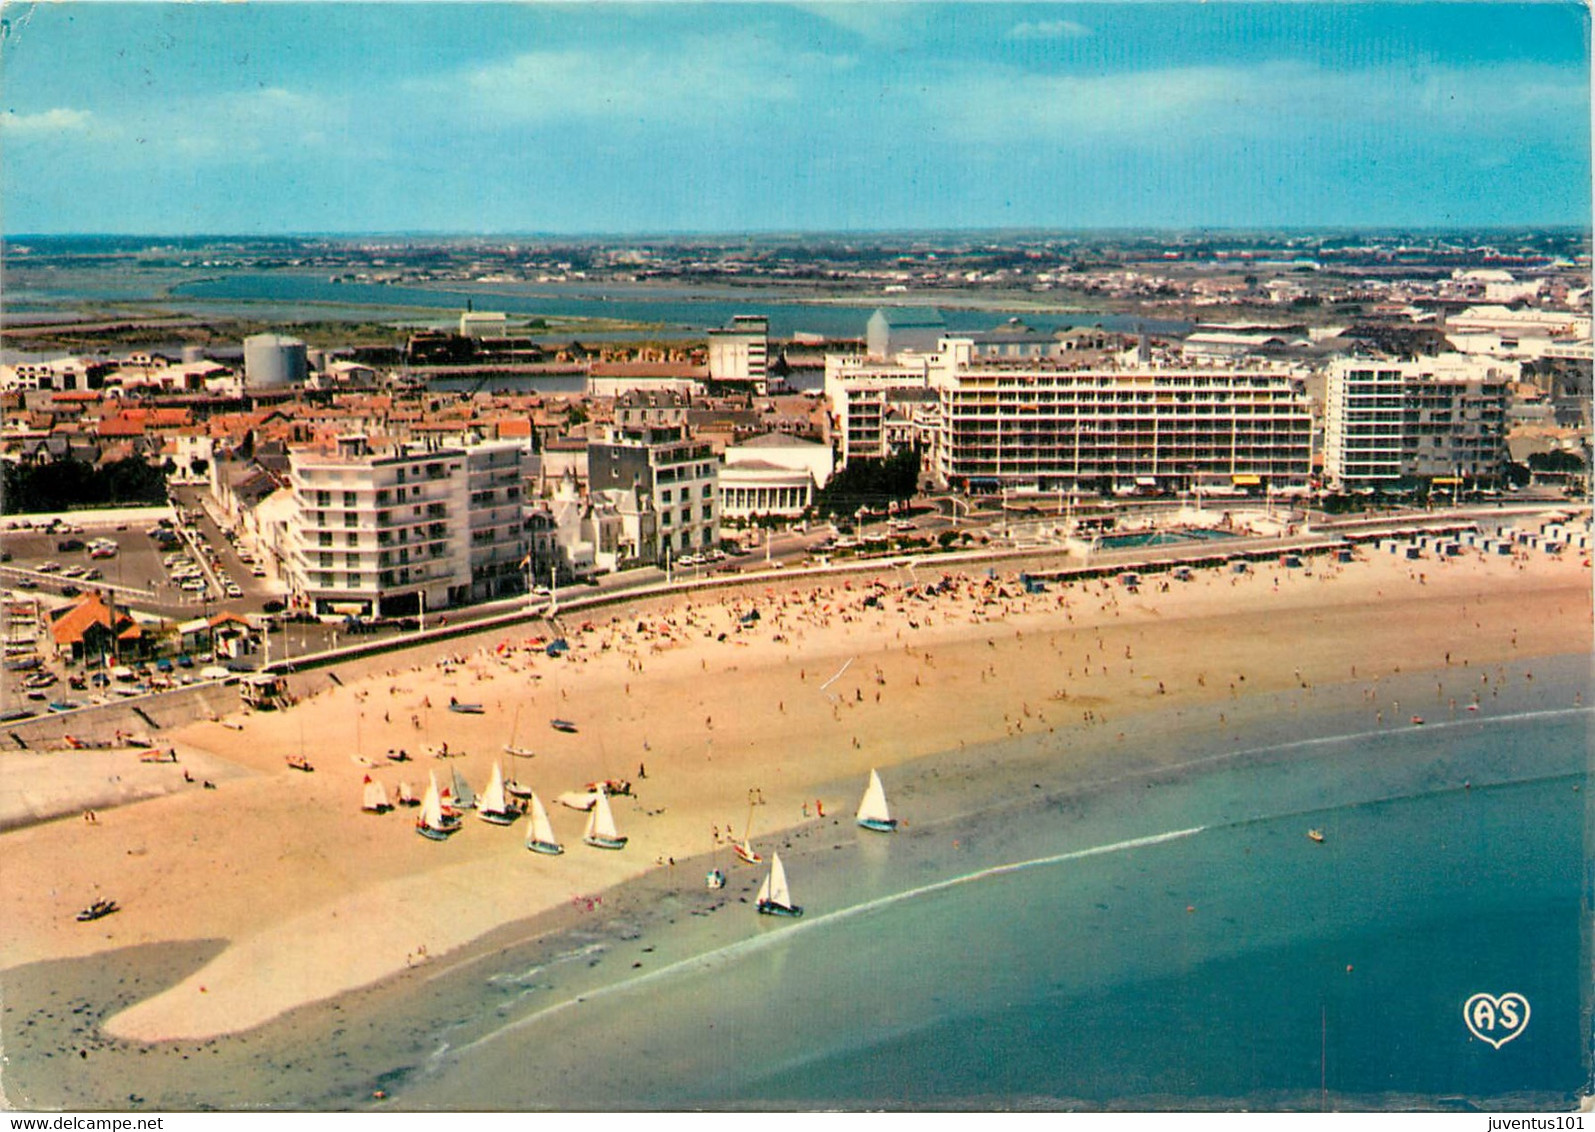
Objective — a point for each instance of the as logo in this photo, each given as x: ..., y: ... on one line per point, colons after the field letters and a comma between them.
x: 1496, y: 1020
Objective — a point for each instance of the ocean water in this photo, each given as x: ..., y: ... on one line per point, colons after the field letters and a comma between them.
x: 1176, y: 942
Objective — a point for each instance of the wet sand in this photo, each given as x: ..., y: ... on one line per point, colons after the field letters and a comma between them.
x: 314, y: 899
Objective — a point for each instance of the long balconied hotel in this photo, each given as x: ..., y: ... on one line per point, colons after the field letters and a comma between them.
x: 379, y: 528
x: 1035, y: 426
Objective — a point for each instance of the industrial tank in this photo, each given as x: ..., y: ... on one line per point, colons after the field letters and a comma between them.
x: 273, y: 361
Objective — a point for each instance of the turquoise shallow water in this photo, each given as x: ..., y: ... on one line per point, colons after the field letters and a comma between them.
x: 1171, y: 944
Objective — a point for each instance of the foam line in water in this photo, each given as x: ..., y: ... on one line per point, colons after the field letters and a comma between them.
x: 1394, y: 731
x: 734, y: 951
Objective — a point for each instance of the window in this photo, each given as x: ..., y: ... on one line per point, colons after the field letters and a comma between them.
x: 351, y: 540
x: 348, y: 499
x: 324, y: 539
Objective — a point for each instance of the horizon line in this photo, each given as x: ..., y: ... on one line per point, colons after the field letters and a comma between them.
x: 850, y: 233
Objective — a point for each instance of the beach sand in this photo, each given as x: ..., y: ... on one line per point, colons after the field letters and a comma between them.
x: 291, y: 895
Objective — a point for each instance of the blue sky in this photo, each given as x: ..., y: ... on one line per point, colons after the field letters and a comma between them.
x: 268, y: 117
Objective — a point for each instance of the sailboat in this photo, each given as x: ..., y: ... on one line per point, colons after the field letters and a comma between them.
x: 375, y: 800
x: 433, y: 823
x: 407, y: 796
x: 492, y: 807
x: 464, y: 796
x: 872, y: 810
x: 601, y: 833
x: 744, y: 848
x: 775, y: 898
x: 540, y: 838
x: 510, y: 748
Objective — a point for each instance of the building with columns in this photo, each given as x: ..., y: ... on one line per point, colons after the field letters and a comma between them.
x: 773, y: 475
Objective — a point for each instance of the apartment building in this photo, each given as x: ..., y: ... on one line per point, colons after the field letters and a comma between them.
x: 405, y: 528
x: 650, y: 449
x: 741, y: 352
x: 1441, y: 419
x: 1044, y: 425
x: 865, y: 395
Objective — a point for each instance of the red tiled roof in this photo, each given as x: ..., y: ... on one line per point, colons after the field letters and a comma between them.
x: 69, y: 626
x: 120, y: 425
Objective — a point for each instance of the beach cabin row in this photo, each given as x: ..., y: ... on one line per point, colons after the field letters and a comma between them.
x: 1560, y: 535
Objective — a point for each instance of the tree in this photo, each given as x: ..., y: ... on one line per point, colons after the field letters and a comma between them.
x: 1557, y: 461
x: 871, y: 483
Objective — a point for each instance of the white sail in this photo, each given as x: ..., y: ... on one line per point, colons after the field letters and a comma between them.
x: 601, y: 822
x: 432, y: 805
x: 872, y: 807
x: 376, y: 796
x: 492, y: 799
x: 542, y: 830
x: 405, y: 793
x: 464, y: 796
x: 774, y: 890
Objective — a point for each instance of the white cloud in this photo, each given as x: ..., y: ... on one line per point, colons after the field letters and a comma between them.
x: 635, y: 84
x: 1048, y: 29
x: 1185, y: 105
x: 58, y: 120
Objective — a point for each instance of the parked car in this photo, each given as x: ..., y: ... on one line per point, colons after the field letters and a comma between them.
x: 67, y: 545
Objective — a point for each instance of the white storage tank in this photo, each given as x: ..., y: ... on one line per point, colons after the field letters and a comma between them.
x: 274, y: 361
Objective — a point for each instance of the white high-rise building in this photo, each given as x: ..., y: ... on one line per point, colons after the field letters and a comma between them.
x: 741, y: 352
x: 401, y: 529
x: 1440, y: 418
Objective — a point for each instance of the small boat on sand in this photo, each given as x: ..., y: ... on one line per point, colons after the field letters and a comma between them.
x: 873, y: 812
x: 463, y: 796
x: 564, y: 725
x: 540, y: 838
x: 98, y: 910
x: 510, y: 748
x: 299, y: 762
x: 158, y: 755
x: 775, y: 898
x: 374, y: 800
x: 407, y: 796
x: 464, y: 709
x: 433, y: 823
x: 493, y: 807
x: 601, y: 832
x: 744, y: 848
